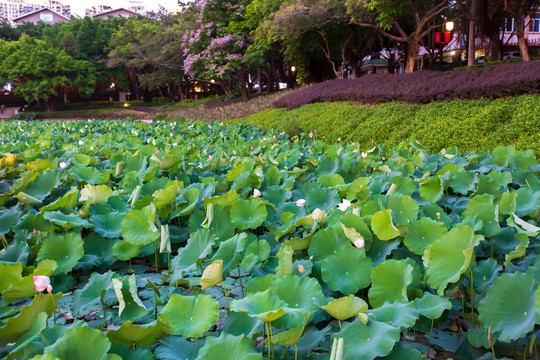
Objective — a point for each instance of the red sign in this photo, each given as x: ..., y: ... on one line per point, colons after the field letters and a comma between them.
x: 447, y: 37
x: 437, y: 37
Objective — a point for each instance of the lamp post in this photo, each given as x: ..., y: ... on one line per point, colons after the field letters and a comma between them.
x: 293, y: 71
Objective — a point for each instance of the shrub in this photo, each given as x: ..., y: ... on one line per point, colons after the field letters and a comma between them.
x: 423, y: 87
x: 468, y: 124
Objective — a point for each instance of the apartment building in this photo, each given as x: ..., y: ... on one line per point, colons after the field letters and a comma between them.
x: 12, y: 9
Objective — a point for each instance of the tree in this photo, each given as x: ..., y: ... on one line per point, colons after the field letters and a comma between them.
x: 519, y: 9
x: 40, y: 71
x: 405, y: 22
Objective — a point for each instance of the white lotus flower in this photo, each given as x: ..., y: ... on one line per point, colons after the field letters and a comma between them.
x: 344, y: 205
x: 91, y: 148
x: 63, y: 165
x: 364, y: 155
x: 256, y: 193
x: 81, y: 143
x: 359, y: 243
x: 300, y: 202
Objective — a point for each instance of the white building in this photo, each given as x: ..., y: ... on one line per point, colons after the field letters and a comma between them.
x: 11, y: 9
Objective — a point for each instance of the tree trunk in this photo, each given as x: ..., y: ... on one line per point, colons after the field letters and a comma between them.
x: 472, y: 37
x: 412, y: 51
x: 495, y: 47
x: 522, y: 42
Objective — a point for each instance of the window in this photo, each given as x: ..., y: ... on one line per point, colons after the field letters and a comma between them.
x: 510, y: 24
x: 46, y: 17
x: 534, y: 23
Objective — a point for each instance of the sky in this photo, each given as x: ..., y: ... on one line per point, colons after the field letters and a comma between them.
x: 78, y: 6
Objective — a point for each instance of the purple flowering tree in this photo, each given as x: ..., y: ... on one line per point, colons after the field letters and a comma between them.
x: 214, y: 51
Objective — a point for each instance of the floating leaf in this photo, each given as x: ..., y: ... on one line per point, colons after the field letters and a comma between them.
x: 404, y: 209
x: 390, y: 280
x: 509, y: 306
x: 347, y: 270
x: 190, y: 316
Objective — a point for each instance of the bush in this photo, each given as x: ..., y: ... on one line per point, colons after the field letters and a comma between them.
x: 467, y: 124
x: 423, y: 87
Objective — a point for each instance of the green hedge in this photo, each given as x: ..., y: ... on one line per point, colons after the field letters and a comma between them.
x: 468, y: 124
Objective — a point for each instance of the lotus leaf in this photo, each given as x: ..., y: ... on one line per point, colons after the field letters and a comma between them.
x: 248, y: 214
x: 401, y: 351
x: 450, y: 256
x: 89, y: 297
x: 190, y: 198
x: 80, y: 343
x: 166, y: 195
x: 347, y: 270
x: 284, y: 256
x: 431, y: 190
x: 138, y: 226
x: 68, y: 200
x: 260, y: 284
x: 66, y: 250
x: 125, y: 251
x: 230, y: 252
x: 68, y: 221
x: 198, y: 247
x: 509, y: 306
x: 390, y: 280
x: 366, y: 342
x: 92, y: 175
x: 43, y: 184
x: 483, y: 208
x: 95, y: 194
x: 8, y: 218
x: 256, y: 252
x: 221, y: 225
x: 264, y: 306
x: 383, y: 226
x: 142, y: 336
x: 397, y: 314
x: 432, y: 306
x: 346, y: 307
x: 16, y: 252
x: 291, y: 336
x: 228, y: 347
x: 404, y: 209
x: 17, y: 287
x: 422, y: 233
x: 212, y: 275
x: 319, y: 197
x: 131, y: 306
x: 527, y: 202
x: 326, y: 242
x: 177, y: 348
x: 190, y: 316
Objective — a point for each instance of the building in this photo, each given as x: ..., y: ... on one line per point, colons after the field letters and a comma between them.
x: 12, y: 9
x: 46, y: 15
x: 116, y: 13
x: 532, y: 34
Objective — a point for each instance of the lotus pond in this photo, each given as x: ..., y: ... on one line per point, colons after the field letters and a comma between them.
x: 127, y: 240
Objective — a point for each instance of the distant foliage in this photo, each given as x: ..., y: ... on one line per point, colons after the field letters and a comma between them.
x: 425, y: 86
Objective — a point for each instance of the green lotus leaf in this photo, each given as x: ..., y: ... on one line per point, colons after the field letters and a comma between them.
x: 228, y: 347
x: 507, y: 155
x: 483, y: 208
x: 462, y: 181
x: 92, y: 175
x: 346, y: 307
x: 108, y: 225
x: 259, y: 284
x: 404, y: 209
x: 433, y: 306
x: 450, y: 256
x: 95, y: 194
x: 17, y: 326
x: 9, y: 273
x: 197, y: 249
x: 347, y: 270
x: 68, y: 221
x: 284, y: 256
x: 484, y: 273
x: 358, y: 190
x: 522, y: 226
x: 230, y: 251
x: 166, y: 195
x: 226, y: 200
x: 422, y: 233
x: 478, y: 337
x: 81, y: 343
x: 16, y: 252
x: 326, y: 242
x: 291, y: 336
x: 68, y: 200
x: 41, y: 186
x: 256, y: 252
x: 431, y: 190
x: 390, y: 280
x: 382, y: 225
x: 221, y: 225
x: 120, y: 351
x: 26, y: 342
x: 8, y: 218
x: 140, y: 335
x: 191, y: 198
x: 397, y: 314
x: 39, y: 165
x: 167, y: 161
x: 248, y: 214
x: 66, y: 250
x: 527, y: 202
x: 17, y: 287
x: 138, y: 226
x: 299, y: 294
x: 508, y: 203
x: 89, y: 297
x: 125, y: 251
x: 319, y: 197
x: 401, y: 351
x: 190, y: 316
x: 509, y: 306
x: 367, y: 342
x: 81, y: 159
x: 131, y: 306
x: 177, y: 348
x: 264, y: 306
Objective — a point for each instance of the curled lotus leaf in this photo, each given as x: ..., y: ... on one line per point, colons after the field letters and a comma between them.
x: 390, y: 280
x: 383, y: 226
x: 138, y: 226
x: 346, y: 307
x: 397, y: 314
x: 264, y: 306
x: 432, y: 306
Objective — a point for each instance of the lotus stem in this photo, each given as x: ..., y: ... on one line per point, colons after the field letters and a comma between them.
x: 472, y: 299
x: 225, y: 292
x: 156, y: 256
x: 308, y: 265
x: 430, y: 335
x: 339, y: 322
x: 264, y: 334
x: 272, y: 344
x: 4, y: 240
x: 240, y: 279
x: 104, y: 312
x: 491, y: 343
x: 334, y: 349
x: 268, y: 334
x: 295, y: 352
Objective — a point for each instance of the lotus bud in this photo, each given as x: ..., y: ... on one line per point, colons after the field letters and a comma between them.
x: 256, y: 193
x: 42, y: 282
x: 62, y: 165
x: 438, y: 216
x: 91, y: 148
x: 364, y: 155
x: 81, y: 143
x: 359, y: 243
x: 301, y: 269
x: 300, y: 202
x: 34, y: 231
x: 210, y: 157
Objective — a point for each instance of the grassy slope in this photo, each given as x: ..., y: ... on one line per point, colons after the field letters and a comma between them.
x: 468, y: 124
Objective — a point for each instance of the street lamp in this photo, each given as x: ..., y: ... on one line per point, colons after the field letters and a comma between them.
x: 449, y: 26
x: 293, y: 68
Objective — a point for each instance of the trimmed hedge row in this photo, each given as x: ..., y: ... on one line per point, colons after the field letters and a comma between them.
x: 468, y: 124
x: 422, y: 87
